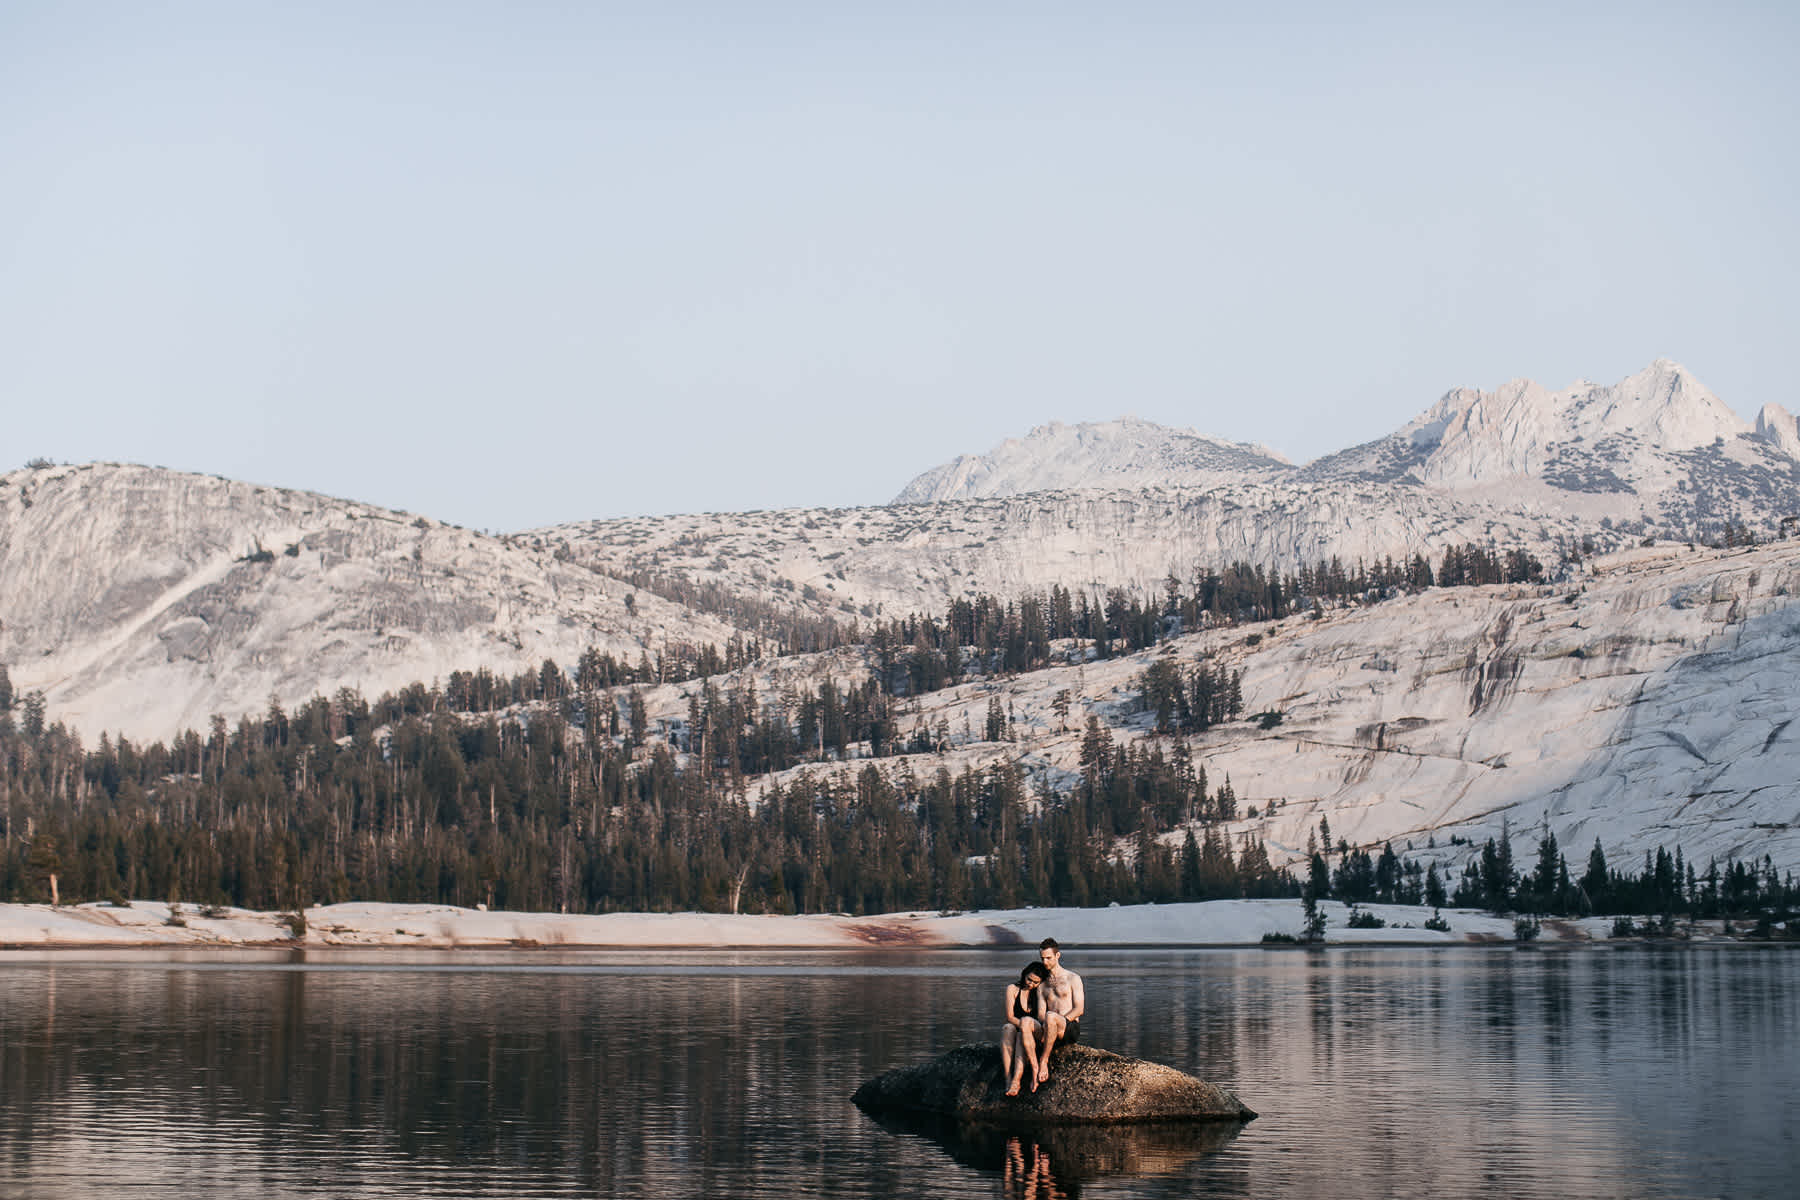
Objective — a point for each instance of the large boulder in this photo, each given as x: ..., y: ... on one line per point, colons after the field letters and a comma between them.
x: 1087, y: 1086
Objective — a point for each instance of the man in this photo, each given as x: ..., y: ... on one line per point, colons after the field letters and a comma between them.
x: 1061, y: 1002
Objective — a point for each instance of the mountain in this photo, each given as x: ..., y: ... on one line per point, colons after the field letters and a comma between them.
x: 1125, y: 453
x: 1656, y: 449
x: 1128, y: 503
x: 143, y: 601
x: 1647, y: 702
x: 1640, y: 693
x: 1521, y: 430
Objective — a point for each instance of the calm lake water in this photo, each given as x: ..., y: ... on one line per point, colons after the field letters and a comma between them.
x: 1601, y: 1071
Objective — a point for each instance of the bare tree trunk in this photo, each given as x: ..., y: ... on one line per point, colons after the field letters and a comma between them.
x: 737, y: 889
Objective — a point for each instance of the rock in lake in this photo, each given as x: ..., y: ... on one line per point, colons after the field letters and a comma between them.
x: 1087, y: 1086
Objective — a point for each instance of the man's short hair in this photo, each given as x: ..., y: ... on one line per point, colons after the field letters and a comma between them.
x: 1049, y: 944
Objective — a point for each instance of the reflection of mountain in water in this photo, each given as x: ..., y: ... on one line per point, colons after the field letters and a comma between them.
x: 1053, y: 1161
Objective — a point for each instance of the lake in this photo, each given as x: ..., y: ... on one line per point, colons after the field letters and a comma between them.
x: 1629, y: 1071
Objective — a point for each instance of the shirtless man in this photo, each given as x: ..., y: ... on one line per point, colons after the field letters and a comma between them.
x: 1061, y: 1002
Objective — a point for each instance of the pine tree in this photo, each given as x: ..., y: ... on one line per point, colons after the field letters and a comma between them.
x: 1434, y: 888
x: 1313, y: 920
x: 1543, y: 879
x: 1596, y: 882
x: 1191, y: 887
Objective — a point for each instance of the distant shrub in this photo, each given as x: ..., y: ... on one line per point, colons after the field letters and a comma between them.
x: 1526, y: 929
x: 1268, y: 720
x: 38, y: 464
x: 1361, y: 918
x: 1287, y: 938
x: 1624, y: 927
x: 295, y: 922
x: 1437, y: 922
x: 175, y: 917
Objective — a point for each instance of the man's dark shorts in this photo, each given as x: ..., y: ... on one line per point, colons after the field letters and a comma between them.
x: 1071, y: 1033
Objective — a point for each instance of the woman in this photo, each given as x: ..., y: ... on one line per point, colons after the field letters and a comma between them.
x: 1018, y: 1038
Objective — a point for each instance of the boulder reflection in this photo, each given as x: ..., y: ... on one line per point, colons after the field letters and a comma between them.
x: 1053, y: 1162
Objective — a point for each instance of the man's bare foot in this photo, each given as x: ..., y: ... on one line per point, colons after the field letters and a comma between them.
x: 1043, y: 1075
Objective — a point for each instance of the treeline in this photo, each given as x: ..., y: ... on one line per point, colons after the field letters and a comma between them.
x: 990, y: 636
x: 1667, y: 887
x: 785, y: 629
x: 539, y: 814
x: 483, y: 690
x: 985, y: 635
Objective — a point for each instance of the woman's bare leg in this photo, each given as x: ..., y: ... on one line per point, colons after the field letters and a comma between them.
x: 1012, y: 1063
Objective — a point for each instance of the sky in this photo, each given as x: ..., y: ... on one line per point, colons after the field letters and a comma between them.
x: 509, y: 265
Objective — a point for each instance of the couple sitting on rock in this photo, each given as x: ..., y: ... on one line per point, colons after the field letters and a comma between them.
x: 1043, y: 1010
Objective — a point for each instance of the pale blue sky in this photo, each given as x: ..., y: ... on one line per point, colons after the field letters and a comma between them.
x: 514, y: 264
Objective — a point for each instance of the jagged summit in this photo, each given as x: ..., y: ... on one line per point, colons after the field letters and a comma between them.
x: 1124, y: 453
x: 1521, y: 429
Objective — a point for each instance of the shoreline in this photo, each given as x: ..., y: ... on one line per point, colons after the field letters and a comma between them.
x: 1199, y: 925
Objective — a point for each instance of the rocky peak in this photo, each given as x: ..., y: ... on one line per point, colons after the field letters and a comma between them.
x: 1776, y: 426
x: 1124, y: 453
x: 1473, y: 437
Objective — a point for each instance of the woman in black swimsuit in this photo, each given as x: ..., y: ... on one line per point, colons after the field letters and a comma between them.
x: 1017, y: 1038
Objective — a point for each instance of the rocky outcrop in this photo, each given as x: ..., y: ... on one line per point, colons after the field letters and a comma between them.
x: 1776, y: 426
x: 1087, y: 1086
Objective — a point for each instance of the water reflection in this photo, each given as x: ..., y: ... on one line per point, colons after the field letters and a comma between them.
x: 1649, y: 1071
x: 1054, y: 1161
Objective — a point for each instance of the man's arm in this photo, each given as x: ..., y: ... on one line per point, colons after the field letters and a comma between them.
x: 1077, y: 998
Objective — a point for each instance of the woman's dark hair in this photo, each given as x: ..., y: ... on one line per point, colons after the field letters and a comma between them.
x: 1036, y: 970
